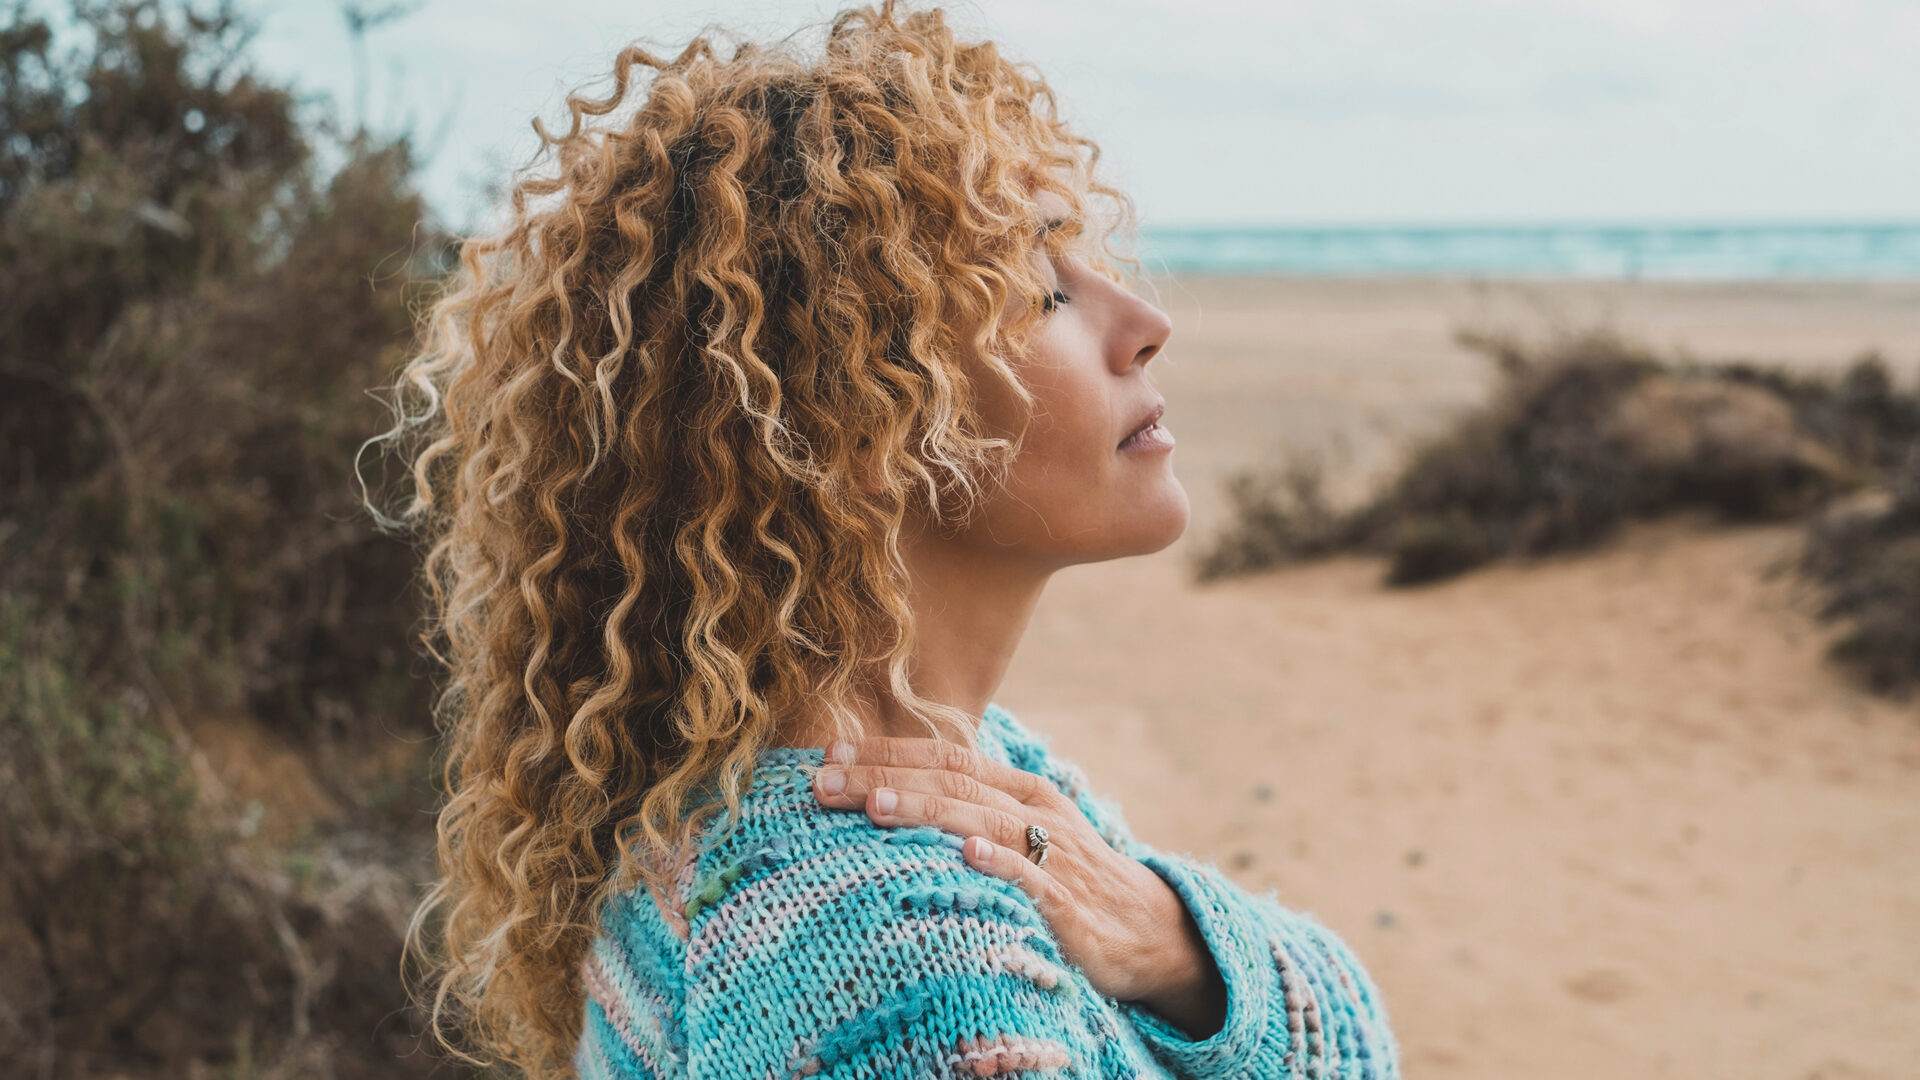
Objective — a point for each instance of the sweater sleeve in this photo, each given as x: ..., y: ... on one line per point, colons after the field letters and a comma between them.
x: 1298, y: 1000
x: 882, y: 955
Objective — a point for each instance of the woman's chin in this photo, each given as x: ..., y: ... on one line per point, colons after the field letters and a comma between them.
x: 1179, y: 514
x: 1158, y: 517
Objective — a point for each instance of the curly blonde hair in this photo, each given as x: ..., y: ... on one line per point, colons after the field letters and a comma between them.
x: 665, y: 427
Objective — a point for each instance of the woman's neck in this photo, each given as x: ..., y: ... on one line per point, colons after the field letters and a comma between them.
x: 971, y: 604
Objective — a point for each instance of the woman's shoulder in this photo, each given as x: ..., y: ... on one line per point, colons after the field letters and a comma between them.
x: 823, y: 935
x: 786, y: 856
x: 806, y: 926
x: 828, y: 935
x: 784, y: 843
x: 798, y: 874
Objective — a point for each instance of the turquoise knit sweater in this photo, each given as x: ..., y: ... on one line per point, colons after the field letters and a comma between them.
x: 813, y: 941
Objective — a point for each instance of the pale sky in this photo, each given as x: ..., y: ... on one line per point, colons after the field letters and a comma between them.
x: 1280, y: 111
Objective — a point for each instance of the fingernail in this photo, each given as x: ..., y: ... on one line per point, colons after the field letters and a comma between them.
x: 982, y: 848
x: 833, y: 781
x: 841, y: 752
x: 886, y: 800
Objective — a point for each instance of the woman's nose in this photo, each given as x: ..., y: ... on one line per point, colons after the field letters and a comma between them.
x: 1145, y: 329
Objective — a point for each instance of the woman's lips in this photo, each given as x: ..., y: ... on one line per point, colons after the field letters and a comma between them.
x: 1151, y: 437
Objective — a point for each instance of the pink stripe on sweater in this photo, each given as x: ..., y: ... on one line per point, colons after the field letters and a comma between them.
x: 739, y: 901
x: 1010, y: 954
x: 1005, y: 1054
x: 602, y: 990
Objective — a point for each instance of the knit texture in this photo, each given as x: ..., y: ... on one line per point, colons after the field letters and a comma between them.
x: 813, y: 942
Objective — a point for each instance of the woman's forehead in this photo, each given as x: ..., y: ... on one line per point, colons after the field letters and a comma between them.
x: 1051, y: 206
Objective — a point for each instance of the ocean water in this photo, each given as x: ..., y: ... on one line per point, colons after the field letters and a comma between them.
x: 1673, y: 252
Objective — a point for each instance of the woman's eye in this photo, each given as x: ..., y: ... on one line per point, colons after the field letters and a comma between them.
x: 1053, y: 301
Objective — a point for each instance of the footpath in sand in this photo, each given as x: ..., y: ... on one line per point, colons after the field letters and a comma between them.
x: 1606, y: 815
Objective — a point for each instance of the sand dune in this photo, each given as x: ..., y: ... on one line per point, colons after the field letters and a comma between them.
x: 1603, y: 816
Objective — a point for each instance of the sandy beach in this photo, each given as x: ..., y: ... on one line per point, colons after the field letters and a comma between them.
x: 1608, y: 815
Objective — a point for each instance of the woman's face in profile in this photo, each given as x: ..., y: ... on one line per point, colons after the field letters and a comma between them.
x: 1076, y: 494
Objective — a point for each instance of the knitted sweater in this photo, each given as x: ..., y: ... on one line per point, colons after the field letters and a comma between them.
x: 814, y: 941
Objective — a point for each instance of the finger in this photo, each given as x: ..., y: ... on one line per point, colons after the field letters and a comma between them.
x: 1027, y: 788
x: 857, y: 781
x: 894, y: 807
x: 1009, y: 864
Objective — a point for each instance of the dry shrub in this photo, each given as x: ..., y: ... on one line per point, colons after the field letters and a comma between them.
x: 1587, y: 431
x: 1278, y: 515
x: 1867, y: 554
x: 1582, y: 434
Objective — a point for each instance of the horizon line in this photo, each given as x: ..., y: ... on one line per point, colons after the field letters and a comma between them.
x: 1542, y: 223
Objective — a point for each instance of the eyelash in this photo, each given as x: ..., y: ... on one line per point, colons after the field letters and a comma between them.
x: 1054, y: 300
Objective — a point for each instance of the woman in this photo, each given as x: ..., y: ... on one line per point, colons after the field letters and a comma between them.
x: 759, y: 430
